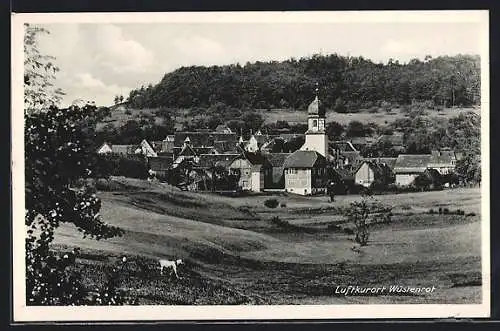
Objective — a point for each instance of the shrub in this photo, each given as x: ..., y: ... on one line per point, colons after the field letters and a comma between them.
x: 431, y: 211
x: 271, y: 203
x: 471, y: 214
x: 446, y: 211
x: 128, y: 112
x: 283, y: 204
x: 440, y: 210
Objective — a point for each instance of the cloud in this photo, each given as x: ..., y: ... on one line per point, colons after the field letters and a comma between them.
x: 119, y: 53
x: 86, y: 87
x: 198, y: 48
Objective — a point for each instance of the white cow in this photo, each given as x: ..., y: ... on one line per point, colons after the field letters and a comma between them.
x: 170, y: 264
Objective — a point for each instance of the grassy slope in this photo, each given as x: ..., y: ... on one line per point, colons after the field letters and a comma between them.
x: 119, y: 118
x: 252, y: 261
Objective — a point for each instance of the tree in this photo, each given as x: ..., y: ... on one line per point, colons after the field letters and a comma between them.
x: 39, y: 73
x: 334, y: 130
x: 357, y: 129
x: 59, y: 161
x: 365, y: 212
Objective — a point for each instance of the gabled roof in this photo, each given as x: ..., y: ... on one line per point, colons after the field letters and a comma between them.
x: 187, y: 151
x: 222, y: 128
x: 304, y: 159
x: 199, y: 139
x: 379, y: 169
x: 388, y: 161
x: 211, y: 160
x: 442, y: 157
x: 412, y: 163
x: 277, y: 159
x: 256, y: 158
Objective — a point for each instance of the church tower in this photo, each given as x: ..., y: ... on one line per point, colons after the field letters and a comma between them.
x: 316, y: 138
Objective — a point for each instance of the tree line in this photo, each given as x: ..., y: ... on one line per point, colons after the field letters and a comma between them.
x: 345, y: 83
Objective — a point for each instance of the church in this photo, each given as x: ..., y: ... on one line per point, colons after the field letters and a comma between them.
x: 305, y: 169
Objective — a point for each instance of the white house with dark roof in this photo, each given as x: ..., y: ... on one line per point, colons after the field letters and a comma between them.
x: 305, y: 173
x: 409, y: 166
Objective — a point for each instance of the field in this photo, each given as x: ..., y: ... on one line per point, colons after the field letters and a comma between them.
x: 119, y: 117
x: 236, y: 254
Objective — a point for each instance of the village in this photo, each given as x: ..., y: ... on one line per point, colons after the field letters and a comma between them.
x: 202, y: 158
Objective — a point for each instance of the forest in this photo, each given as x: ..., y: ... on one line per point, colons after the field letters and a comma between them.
x: 345, y: 84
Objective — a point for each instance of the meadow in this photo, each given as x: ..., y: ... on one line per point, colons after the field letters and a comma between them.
x: 236, y: 254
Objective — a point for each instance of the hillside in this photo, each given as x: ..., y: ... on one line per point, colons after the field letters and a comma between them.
x: 344, y: 83
x: 253, y: 260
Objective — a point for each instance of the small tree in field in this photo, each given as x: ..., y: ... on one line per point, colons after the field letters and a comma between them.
x: 364, y: 212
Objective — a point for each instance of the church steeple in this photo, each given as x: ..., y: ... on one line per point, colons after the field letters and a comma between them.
x: 316, y: 114
x: 316, y: 138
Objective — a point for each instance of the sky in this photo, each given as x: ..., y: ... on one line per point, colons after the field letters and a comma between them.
x: 100, y: 60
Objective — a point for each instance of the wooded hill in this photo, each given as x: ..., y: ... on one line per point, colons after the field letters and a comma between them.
x: 344, y: 83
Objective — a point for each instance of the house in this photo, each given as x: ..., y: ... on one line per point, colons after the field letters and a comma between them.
x: 408, y: 166
x: 105, y: 149
x: 305, y: 173
x: 370, y: 171
x: 160, y: 165
x: 395, y: 140
x: 256, y: 141
x: 444, y: 161
x: 254, y: 171
x: 187, y: 153
x: 387, y: 161
x: 123, y: 150
x: 146, y: 149
x: 277, y: 161
x: 168, y: 144
x: 361, y: 142
x: 223, y: 128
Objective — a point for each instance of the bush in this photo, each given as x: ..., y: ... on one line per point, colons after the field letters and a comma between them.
x: 471, y: 214
x: 128, y: 112
x: 431, y: 211
x: 283, y: 205
x: 440, y: 210
x: 271, y: 203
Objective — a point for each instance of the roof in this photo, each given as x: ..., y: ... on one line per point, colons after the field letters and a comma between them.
x: 255, y: 158
x: 411, y: 163
x: 199, y: 139
x: 123, y: 149
x: 362, y: 140
x: 395, y: 139
x: 315, y: 108
x: 222, y: 128
x: 211, y: 160
x: 442, y: 157
x: 304, y: 159
x: 388, y: 161
x: 277, y: 159
x: 343, y: 146
x: 379, y: 169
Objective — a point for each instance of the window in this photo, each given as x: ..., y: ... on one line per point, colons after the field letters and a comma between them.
x: 315, y: 123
